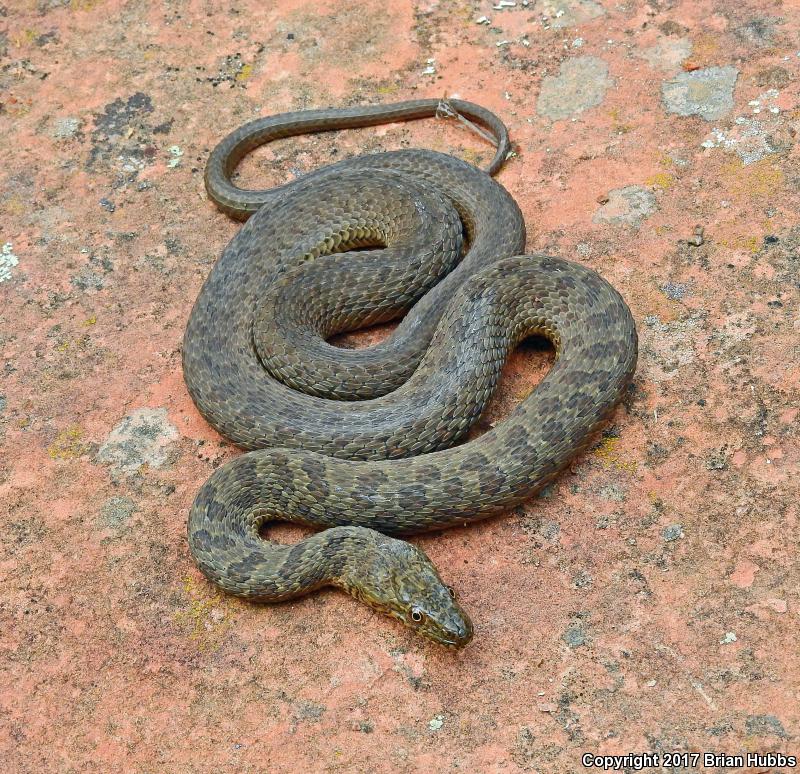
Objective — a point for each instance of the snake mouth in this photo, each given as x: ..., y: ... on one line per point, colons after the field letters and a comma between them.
x: 450, y: 639
x: 453, y: 644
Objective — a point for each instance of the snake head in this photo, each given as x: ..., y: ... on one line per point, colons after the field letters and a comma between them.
x: 397, y: 578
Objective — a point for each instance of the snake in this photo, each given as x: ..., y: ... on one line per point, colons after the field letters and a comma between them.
x: 368, y: 446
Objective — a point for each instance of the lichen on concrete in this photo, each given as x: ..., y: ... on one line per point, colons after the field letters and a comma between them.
x: 8, y: 260
x: 117, y: 511
x: 755, y: 136
x: 672, y: 532
x: 629, y: 206
x: 668, y: 53
x: 707, y: 93
x: 581, y: 84
x: 143, y: 437
x: 569, y: 13
x: 66, y: 128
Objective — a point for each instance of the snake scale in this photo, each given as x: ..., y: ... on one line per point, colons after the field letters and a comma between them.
x: 362, y: 444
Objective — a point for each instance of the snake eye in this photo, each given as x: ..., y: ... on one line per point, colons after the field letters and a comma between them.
x: 416, y: 615
x: 452, y: 591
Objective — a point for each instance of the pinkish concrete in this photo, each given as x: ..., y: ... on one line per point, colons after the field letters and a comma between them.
x: 650, y: 601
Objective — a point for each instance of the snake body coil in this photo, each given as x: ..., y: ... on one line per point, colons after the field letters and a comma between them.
x: 256, y: 336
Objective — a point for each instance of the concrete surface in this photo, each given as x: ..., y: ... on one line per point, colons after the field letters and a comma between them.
x: 650, y: 601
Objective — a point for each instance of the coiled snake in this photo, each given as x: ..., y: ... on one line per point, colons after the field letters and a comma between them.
x: 383, y: 465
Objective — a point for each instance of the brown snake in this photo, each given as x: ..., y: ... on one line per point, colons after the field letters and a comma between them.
x: 363, y: 469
